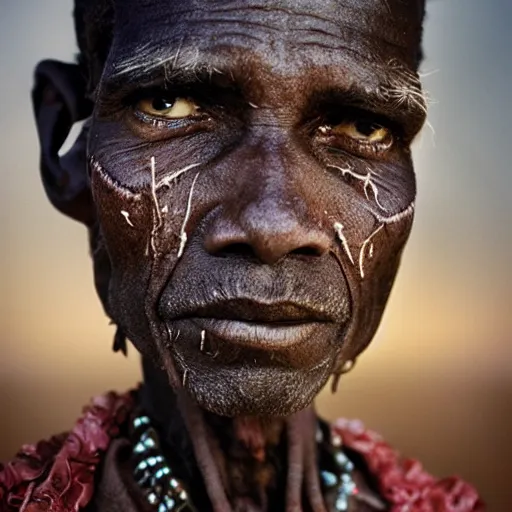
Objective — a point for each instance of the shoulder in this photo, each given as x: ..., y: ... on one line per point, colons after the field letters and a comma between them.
x: 403, y: 482
x: 59, y: 474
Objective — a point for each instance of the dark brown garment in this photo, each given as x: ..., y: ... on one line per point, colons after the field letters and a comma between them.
x: 117, y: 491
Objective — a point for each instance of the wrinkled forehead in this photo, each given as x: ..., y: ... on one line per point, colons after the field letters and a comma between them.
x: 278, y: 30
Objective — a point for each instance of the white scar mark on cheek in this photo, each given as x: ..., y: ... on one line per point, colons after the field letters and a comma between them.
x: 369, y: 183
x: 363, y: 249
x: 157, y: 220
x: 407, y: 212
x: 253, y: 105
x: 339, y: 231
x: 183, y: 234
x: 126, y: 215
x: 124, y: 192
x: 384, y: 221
x: 166, y: 182
x: 365, y: 178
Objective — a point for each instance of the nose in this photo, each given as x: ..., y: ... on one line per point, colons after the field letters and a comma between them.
x: 268, y: 229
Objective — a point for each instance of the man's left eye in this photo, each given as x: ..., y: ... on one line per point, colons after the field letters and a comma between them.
x: 167, y: 107
x: 364, y: 131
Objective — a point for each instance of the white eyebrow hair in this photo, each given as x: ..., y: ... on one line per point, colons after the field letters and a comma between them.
x: 146, y: 58
x: 403, y: 88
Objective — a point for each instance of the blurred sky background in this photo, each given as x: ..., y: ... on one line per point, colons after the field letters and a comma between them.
x: 437, y: 381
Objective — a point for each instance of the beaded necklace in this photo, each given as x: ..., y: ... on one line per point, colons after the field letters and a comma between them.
x: 165, y: 493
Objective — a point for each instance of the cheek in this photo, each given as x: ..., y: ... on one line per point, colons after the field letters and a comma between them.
x: 369, y: 210
x: 144, y: 231
x: 125, y: 218
x: 371, y: 217
x: 377, y: 259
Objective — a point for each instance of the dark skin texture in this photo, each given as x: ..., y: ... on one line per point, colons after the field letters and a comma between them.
x: 264, y: 266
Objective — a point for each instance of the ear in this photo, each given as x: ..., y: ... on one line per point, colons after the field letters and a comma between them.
x: 59, y: 100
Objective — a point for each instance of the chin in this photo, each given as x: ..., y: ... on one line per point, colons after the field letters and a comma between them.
x: 277, y: 372
x: 247, y: 390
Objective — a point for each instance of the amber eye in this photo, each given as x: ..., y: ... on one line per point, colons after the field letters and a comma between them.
x: 167, y: 107
x: 364, y: 131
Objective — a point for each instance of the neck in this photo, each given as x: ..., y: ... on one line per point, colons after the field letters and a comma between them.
x: 244, y: 462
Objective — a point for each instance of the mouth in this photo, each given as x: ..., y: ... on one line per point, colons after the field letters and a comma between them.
x: 258, y: 335
x: 258, y: 325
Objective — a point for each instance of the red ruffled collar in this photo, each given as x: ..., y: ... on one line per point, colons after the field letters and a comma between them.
x: 403, y: 482
x: 58, y: 475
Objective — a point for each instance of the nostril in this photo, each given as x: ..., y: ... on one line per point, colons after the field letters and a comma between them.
x: 236, y: 249
x: 306, y: 251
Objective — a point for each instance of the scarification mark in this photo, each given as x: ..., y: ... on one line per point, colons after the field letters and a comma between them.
x: 253, y: 105
x: 157, y: 219
x: 183, y: 234
x: 365, y: 178
x: 203, y: 339
x: 384, y: 221
x: 166, y: 182
x: 338, y: 227
x: 407, y: 212
x: 363, y: 249
x: 126, y: 215
x: 169, y: 332
x: 124, y: 192
x: 369, y: 183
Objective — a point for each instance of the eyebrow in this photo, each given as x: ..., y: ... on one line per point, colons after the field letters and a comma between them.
x: 396, y: 94
x: 146, y: 62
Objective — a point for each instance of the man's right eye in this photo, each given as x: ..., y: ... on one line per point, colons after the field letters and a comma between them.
x: 167, y: 107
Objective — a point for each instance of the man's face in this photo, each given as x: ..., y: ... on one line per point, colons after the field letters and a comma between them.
x: 251, y: 170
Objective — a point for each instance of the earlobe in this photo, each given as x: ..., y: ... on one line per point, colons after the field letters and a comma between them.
x: 59, y: 100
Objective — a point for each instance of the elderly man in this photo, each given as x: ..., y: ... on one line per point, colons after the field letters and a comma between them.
x: 245, y: 174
